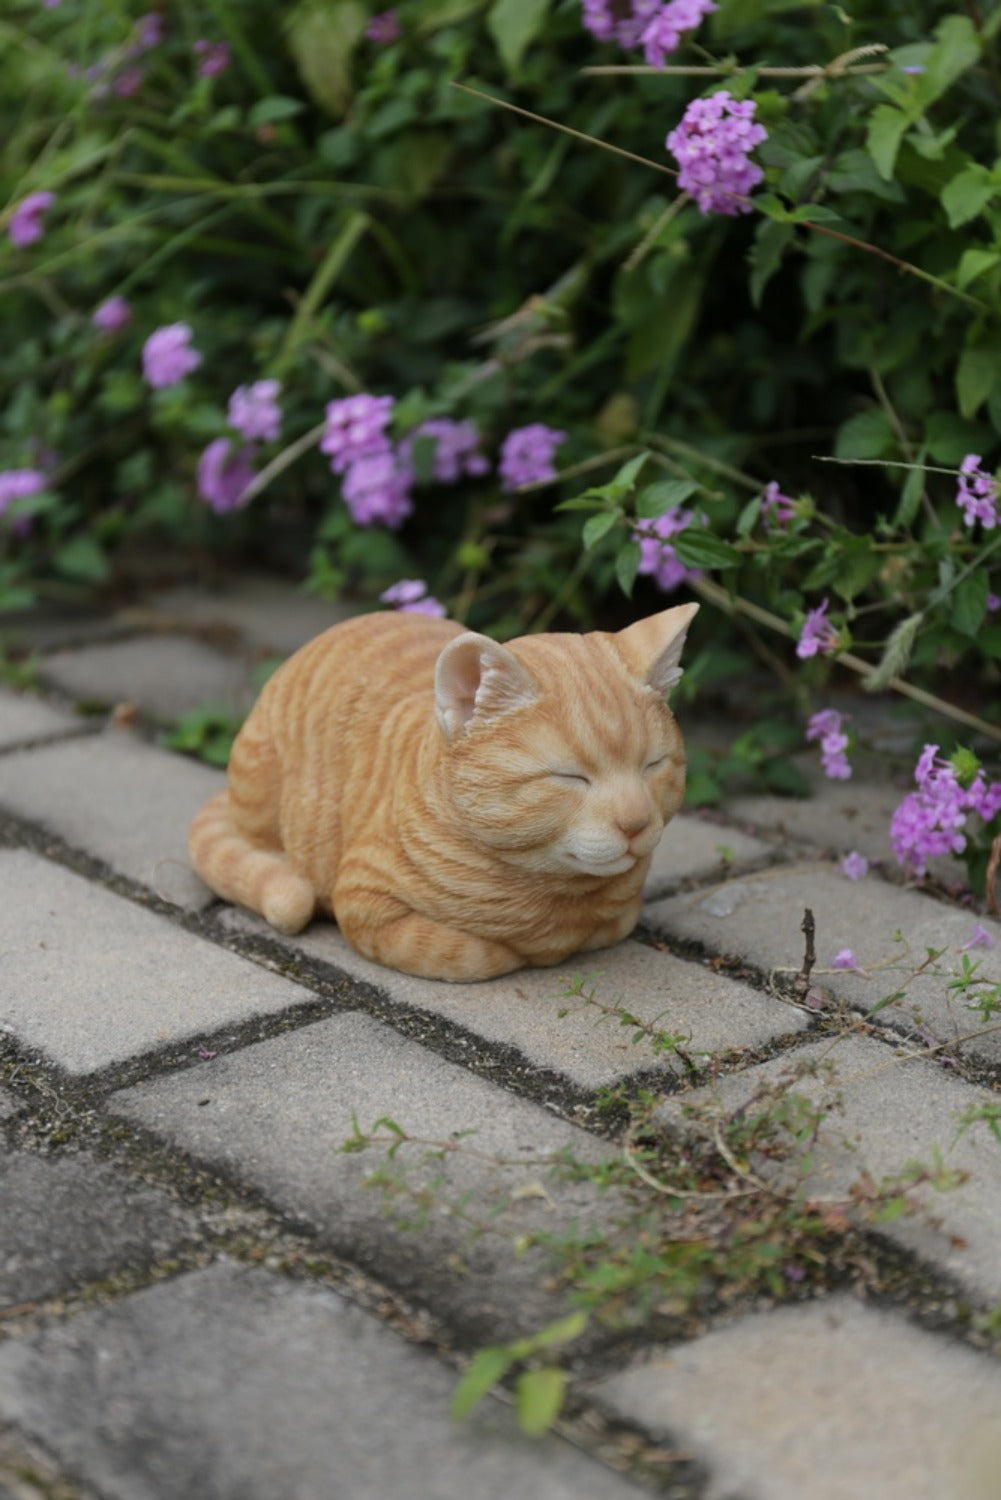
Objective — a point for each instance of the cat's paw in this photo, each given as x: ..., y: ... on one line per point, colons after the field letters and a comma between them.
x: 288, y: 902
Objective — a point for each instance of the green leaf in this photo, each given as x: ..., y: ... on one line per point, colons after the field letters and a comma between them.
x: 486, y: 1367
x: 867, y: 434
x: 275, y: 107
x: 770, y: 242
x: 896, y: 654
x: 780, y: 775
x: 657, y: 499
x: 976, y: 373
x: 698, y: 547
x: 886, y: 130
x: 514, y: 25
x: 538, y: 1398
x: 81, y: 557
x: 973, y: 263
x: 967, y: 194
x: 562, y: 1331
x: 595, y: 527
x: 910, y: 497
x: 969, y: 603
x: 957, y: 48
x: 949, y: 437
x: 322, y: 37
x: 626, y: 565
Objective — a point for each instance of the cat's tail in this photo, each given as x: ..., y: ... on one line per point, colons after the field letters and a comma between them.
x: 240, y: 871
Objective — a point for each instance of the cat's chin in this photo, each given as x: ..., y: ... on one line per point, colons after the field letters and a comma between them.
x: 582, y: 866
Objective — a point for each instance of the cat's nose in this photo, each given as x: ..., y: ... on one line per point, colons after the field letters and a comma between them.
x: 632, y: 827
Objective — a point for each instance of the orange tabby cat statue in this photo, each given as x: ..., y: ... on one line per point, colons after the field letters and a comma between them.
x: 461, y: 808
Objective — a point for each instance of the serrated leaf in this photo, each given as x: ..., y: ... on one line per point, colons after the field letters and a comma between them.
x: 967, y: 194
x: 973, y: 263
x: 886, y: 130
x: 976, y: 373
x: 748, y: 517
x: 626, y: 566
x: 538, y: 1398
x: 697, y: 547
x: 484, y: 1370
x: 514, y: 25
x: 657, y: 499
x: 969, y: 602
x: 595, y: 527
x: 867, y: 434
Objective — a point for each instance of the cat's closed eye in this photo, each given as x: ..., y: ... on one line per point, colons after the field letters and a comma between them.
x: 656, y: 763
x: 572, y: 776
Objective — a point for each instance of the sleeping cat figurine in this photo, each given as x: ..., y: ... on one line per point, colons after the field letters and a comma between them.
x: 461, y: 808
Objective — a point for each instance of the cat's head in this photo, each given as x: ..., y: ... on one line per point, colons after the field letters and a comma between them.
x: 561, y: 752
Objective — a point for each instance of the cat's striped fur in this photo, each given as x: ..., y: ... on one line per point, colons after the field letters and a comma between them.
x: 462, y: 808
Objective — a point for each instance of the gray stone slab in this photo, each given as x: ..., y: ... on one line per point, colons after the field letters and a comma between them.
x: 9, y: 1104
x: 71, y: 1219
x: 759, y: 918
x: 277, y: 1114
x: 830, y: 1401
x: 120, y: 799
x: 269, y: 615
x: 697, y: 849
x: 24, y: 718
x: 231, y: 1382
x: 166, y: 676
x: 889, y: 1107
x: 92, y: 979
x: 535, y: 1011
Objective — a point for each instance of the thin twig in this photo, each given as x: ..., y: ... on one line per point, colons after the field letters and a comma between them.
x: 808, y: 927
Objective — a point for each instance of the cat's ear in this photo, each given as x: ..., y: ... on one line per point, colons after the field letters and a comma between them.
x: 475, y: 678
x: 652, y: 647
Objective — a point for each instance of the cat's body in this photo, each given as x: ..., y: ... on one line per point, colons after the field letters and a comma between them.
x: 462, y: 808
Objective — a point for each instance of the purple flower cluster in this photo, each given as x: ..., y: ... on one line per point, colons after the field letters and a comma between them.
x: 215, y: 57
x: 112, y: 315
x: 526, y: 455
x: 168, y: 356
x: 825, y: 726
x: 818, y: 634
x: 385, y: 27
x: 618, y: 20
x: 664, y: 31
x: 930, y: 821
x: 711, y: 146
x: 376, y: 490
x: 254, y: 411
x: 19, y: 484
x: 777, y: 510
x: 456, y: 451
x: 224, y: 472
x: 26, y: 226
x: 658, y: 558
x: 978, y: 494
x: 411, y: 597
x: 855, y: 866
x: 356, y: 428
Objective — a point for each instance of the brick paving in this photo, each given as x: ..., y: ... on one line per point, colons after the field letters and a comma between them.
x: 202, y: 1293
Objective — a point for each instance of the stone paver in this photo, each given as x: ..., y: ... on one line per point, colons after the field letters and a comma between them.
x: 277, y: 1114
x: 78, y: 1219
x: 889, y: 1108
x: 92, y: 979
x: 696, y: 849
x: 232, y: 1382
x: 532, y: 1010
x: 120, y: 799
x: 759, y: 918
x: 266, y: 613
x: 24, y: 718
x: 166, y: 676
x: 829, y: 1401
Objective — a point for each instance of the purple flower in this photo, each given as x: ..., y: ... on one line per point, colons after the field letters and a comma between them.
x: 818, y: 634
x: 981, y: 939
x: 526, y: 455
x: 977, y: 495
x: 254, y: 411
x: 993, y: 603
x: 112, y: 315
x: 825, y: 726
x: 855, y: 866
x: 356, y: 428
x: 663, y: 33
x: 456, y: 449
x: 710, y: 146
x: 658, y: 558
x: 385, y: 27
x: 224, y: 474
x: 617, y: 20
x: 26, y: 225
x: 930, y: 821
x: 128, y: 82
x: 411, y: 596
x: 376, y: 490
x: 147, y: 33
x: 19, y: 484
x: 167, y: 355
x: 844, y: 960
x: 215, y: 57
x: 777, y: 510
